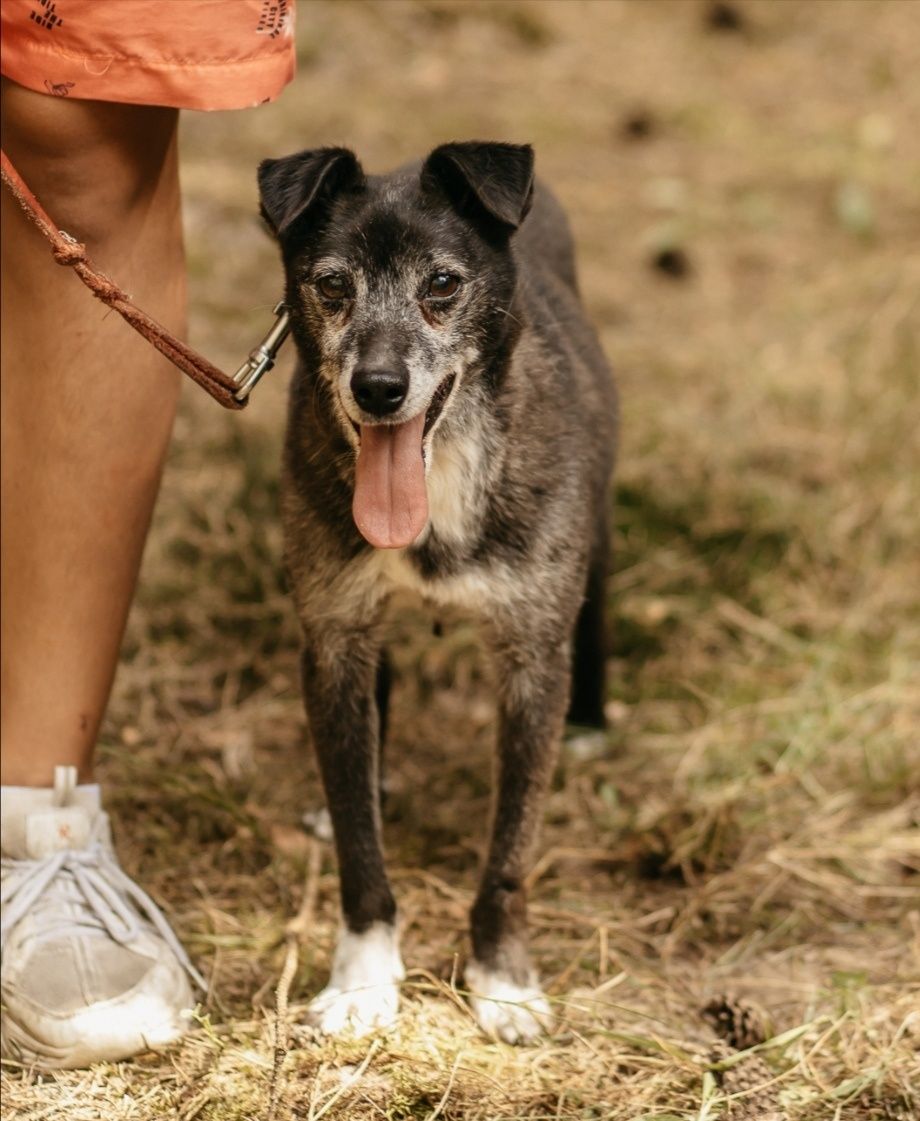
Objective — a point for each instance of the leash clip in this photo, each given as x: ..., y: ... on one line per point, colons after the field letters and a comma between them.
x: 261, y: 360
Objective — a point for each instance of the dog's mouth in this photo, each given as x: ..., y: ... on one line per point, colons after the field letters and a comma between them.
x: 437, y: 402
x: 390, y: 504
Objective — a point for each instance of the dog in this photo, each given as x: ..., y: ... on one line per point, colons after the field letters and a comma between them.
x: 451, y: 430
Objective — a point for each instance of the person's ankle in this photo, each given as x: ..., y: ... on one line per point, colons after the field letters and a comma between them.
x: 23, y: 773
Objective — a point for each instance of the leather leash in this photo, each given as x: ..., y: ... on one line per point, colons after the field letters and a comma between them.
x: 231, y: 392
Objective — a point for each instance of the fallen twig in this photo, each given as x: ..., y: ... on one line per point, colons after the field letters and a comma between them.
x: 294, y: 933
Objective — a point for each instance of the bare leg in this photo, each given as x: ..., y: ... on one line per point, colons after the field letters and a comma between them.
x: 87, y: 411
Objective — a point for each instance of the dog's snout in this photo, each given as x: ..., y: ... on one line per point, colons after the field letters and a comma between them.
x: 379, y: 390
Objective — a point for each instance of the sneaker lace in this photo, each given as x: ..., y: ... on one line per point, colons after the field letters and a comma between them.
x: 91, y: 879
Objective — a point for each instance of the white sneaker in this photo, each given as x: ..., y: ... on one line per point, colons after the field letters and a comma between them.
x: 91, y: 970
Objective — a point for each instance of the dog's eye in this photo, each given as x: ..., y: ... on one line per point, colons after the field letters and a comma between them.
x: 332, y: 287
x: 443, y: 285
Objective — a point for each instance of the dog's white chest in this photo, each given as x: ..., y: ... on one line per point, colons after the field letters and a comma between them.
x: 476, y: 588
x: 457, y: 485
x: 455, y: 482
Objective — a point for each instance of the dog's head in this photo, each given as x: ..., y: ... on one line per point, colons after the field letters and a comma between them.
x: 400, y: 288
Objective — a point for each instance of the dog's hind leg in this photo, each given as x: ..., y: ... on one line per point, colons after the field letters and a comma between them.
x: 504, y: 992
x: 589, y: 656
x: 339, y: 666
x: 382, y: 687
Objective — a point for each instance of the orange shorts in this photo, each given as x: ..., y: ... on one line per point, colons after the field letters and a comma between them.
x: 191, y: 54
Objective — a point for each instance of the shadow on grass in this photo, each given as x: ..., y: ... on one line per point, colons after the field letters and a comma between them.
x: 734, y: 553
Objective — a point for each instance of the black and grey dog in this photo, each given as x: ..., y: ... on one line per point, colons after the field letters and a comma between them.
x: 451, y: 431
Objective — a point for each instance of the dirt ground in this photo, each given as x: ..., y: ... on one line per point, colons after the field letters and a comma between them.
x: 744, y: 183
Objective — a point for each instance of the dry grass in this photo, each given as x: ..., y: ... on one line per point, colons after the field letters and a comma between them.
x: 753, y: 828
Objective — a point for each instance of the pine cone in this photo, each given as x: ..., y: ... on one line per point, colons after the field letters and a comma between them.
x: 740, y: 1024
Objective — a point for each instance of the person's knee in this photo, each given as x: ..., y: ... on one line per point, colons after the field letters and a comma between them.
x: 96, y: 167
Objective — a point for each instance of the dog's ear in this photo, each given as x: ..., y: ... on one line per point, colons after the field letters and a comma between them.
x: 293, y: 185
x: 484, y: 180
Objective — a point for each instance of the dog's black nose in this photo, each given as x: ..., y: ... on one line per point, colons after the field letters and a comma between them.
x: 379, y: 391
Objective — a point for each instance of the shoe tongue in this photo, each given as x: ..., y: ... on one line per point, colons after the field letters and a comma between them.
x: 51, y: 831
x: 31, y: 826
x: 390, y: 505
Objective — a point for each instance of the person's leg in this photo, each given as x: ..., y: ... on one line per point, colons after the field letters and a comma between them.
x: 87, y: 408
x: 90, y: 969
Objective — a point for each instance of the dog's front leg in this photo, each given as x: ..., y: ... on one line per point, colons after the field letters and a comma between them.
x: 339, y: 667
x: 504, y: 991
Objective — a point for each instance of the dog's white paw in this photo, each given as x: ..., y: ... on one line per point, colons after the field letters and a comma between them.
x: 319, y: 823
x: 354, y: 1012
x: 363, y: 991
x: 506, y: 1011
x: 585, y: 745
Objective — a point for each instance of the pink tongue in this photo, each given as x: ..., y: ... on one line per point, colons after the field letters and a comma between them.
x: 390, y: 506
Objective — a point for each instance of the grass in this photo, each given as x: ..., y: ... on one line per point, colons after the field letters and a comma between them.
x: 749, y: 840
